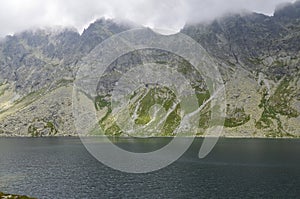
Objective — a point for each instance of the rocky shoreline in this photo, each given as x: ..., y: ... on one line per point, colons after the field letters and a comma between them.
x: 197, y: 136
x: 11, y: 196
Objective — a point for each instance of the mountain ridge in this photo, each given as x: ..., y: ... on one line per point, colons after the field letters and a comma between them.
x: 257, y: 55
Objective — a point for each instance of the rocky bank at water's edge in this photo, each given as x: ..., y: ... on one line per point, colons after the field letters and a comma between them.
x: 11, y: 196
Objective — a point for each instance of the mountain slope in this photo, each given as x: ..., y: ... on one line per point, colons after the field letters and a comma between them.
x: 34, y: 65
x: 264, y: 52
x: 258, y: 57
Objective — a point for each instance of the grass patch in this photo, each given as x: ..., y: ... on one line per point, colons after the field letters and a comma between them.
x: 276, y: 105
x: 64, y: 82
x: 44, y: 126
x: 236, y: 117
x: 101, y: 102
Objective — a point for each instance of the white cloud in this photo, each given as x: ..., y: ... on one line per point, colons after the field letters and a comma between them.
x: 17, y: 15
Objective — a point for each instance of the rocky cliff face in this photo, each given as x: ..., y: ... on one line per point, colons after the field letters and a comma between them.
x: 261, y: 58
x: 38, y: 68
x: 258, y: 57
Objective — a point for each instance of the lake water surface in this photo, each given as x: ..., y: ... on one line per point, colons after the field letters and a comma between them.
x: 236, y: 168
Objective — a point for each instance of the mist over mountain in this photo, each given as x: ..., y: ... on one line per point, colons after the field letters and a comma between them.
x: 258, y: 57
x: 17, y: 16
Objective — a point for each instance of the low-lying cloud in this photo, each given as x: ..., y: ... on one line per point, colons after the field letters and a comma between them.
x: 18, y: 15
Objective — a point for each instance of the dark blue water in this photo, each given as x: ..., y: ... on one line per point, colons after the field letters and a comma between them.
x: 236, y: 168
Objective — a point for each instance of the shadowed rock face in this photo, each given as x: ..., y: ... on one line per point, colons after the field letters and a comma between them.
x: 258, y: 57
x: 33, y: 60
x: 250, y: 38
x: 290, y: 11
x: 264, y: 52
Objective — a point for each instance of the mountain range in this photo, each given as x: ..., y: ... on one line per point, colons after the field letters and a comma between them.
x: 258, y: 57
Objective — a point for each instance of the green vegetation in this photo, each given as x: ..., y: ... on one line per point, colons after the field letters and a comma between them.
x: 28, y: 99
x: 2, y: 92
x: 202, y: 97
x: 172, y: 122
x: 185, y: 68
x: 32, y: 130
x: 255, y: 61
x: 64, y: 82
x: 205, y: 116
x: 52, y: 128
x: 110, y: 127
x: 113, y: 130
x: 281, y: 99
x: 161, y: 96
x: 161, y: 62
x: 3, y: 88
x: 106, y: 123
x: 236, y: 117
x: 10, y: 196
x: 140, y: 107
x: 156, y: 95
x: 141, y: 103
x: 100, y: 102
x: 39, y: 127
x: 276, y: 105
x: 145, y: 101
x: 205, y: 113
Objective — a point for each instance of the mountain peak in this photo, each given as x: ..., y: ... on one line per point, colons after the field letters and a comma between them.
x: 288, y: 10
x: 100, y: 30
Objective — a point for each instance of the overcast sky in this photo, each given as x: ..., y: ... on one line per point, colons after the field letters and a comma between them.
x: 18, y: 15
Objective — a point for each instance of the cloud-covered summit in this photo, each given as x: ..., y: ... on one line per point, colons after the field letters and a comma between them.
x: 18, y: 15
